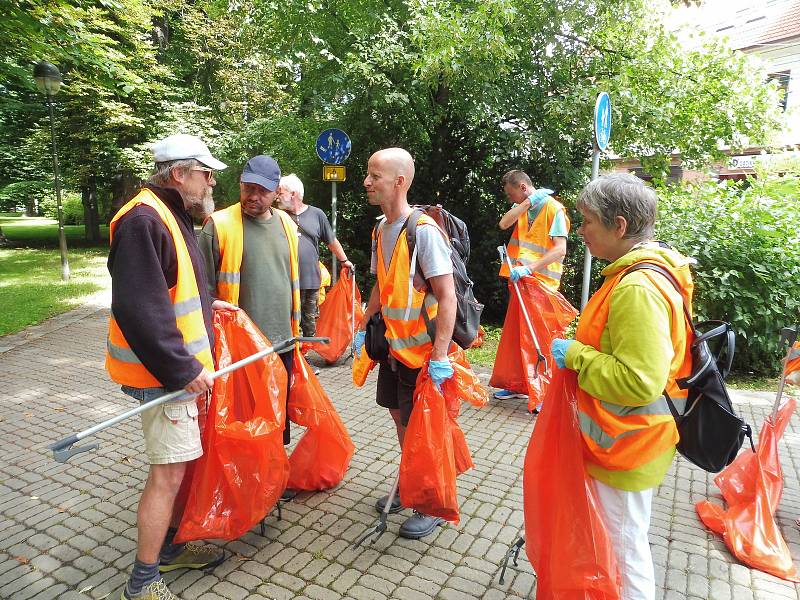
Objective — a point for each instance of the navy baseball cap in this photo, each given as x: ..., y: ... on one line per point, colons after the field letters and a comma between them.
x: 262, y: 170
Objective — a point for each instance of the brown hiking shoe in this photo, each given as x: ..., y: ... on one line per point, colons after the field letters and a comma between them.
x: 194, y: 556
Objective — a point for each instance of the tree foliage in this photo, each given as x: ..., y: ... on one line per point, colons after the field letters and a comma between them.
x: 745, y: 240
x: 472, y: 88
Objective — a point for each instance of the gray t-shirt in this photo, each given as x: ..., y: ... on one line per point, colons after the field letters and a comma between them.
x: 313, y: 227
x: 433, y: 250
x: 265, y: 289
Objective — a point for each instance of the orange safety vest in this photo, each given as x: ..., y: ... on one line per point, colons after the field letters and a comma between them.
x: 793, y: 364
x: 530, y: 241
x: 122, y: 364
x: 230, y: 233
x: 402, y: 305
x: 622, y: 438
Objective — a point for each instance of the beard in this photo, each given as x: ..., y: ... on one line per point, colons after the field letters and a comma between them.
x: 283, y: 204
x: 202, y: 207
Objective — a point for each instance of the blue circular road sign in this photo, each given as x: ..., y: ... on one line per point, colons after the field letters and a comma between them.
x: 602, y: 120
x: 333, y: 146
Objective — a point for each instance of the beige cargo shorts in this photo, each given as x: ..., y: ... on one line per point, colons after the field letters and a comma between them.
x: 171, y: 430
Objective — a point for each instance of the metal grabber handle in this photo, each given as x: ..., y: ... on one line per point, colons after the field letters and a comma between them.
x: 63, y: 450
x: 540, y: 358
x: 380, y: 526
x: 788, y: 334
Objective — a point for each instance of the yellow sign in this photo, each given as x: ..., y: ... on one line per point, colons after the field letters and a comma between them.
x: 333, y: 173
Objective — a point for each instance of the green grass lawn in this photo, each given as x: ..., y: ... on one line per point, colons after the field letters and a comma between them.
x: 42, y: 232
x: 484, y: 355
x: 31, y: 289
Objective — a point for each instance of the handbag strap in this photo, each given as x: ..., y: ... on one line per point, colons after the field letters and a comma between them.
x: 722, y: 327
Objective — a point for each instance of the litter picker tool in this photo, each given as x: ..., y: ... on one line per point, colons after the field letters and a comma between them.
x: 513, y: 551
x: 540, y: 358
x: 788, y: 334
x: 380, y: 526
x: 353, y: 313
x: 63, y: 450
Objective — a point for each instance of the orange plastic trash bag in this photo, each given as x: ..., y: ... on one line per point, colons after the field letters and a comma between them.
x: 565, y: 538
x: 464, y: 385
x: 336, y: 316
x: 244, y: 468
x: 362, y: 365
x: 435, y: 449
x: 752, y: 486
x: 427, y: 464
x: 515, y: 364
x: 479, y: 339
x: 321, y: 457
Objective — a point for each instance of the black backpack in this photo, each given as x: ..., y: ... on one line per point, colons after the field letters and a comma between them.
x: 711, y: 433
x: 468, y: 309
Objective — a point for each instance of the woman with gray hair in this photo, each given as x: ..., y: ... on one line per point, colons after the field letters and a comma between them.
x: 631, y: 345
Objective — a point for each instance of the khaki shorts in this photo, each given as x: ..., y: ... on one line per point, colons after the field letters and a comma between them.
x: 171, y: 430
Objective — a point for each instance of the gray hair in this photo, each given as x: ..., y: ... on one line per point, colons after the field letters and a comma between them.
x: 292, y: 183
x: 162, y: 172
x: 621, y: 195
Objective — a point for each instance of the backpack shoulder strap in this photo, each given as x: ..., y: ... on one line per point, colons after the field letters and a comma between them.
x: 647, y: 266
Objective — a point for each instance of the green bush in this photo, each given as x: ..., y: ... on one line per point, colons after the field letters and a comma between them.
x: 745, y: 239
x: 71, y: 207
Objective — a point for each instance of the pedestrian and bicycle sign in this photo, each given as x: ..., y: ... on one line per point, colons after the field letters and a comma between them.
x: 333, y: 146
x: 602, y: 120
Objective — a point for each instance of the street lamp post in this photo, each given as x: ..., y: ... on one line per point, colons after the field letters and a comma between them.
x: 48, y: 80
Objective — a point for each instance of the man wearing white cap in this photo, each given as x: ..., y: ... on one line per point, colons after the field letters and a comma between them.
x: 251, y: 256
x: 160, y: 339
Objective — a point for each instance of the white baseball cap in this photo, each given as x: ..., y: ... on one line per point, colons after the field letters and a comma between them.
x: 182, y: 146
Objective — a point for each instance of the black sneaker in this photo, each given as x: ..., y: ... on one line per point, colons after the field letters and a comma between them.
x: 396, y: 507
x: 288, y: 495
x: 418, y: 526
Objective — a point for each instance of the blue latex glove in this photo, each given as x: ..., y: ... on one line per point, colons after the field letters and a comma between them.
x: 558, y: 348
x: 518, y: 273
x: 537, y: 195
x: 440, y: 371
x: 359, y: 341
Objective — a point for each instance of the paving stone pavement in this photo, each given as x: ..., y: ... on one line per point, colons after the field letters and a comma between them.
x: 68, y: 531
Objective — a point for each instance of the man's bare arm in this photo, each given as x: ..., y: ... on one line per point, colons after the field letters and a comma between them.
x: 443, y: 289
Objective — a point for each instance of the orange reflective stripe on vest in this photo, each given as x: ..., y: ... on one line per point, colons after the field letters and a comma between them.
x: 620, y: 437
x: 405, y: 309
x: 530, y: 241
x: 230, y: 234
x: 122, y: 364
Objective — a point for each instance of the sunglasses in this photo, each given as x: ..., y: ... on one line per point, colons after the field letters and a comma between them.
x: 209, y: 172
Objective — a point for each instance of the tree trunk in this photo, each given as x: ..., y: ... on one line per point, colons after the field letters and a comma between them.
x: 438, y: 156
x: 123, y: 186
x: 91, y: 216
x: 30, y: 206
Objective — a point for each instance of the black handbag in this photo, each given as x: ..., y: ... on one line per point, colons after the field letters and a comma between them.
x: 375, y: 342
x: 711, y: 433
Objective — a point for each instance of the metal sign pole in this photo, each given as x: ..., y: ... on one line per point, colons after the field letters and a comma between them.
x: 587, y: 258
x: 602, y: 134
x: 334, y: 271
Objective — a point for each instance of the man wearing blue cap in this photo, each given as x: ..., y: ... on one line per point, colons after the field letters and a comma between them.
x: 251, y: 257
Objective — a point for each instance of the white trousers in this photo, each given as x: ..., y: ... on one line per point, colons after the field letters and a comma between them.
x: 626, y: 516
